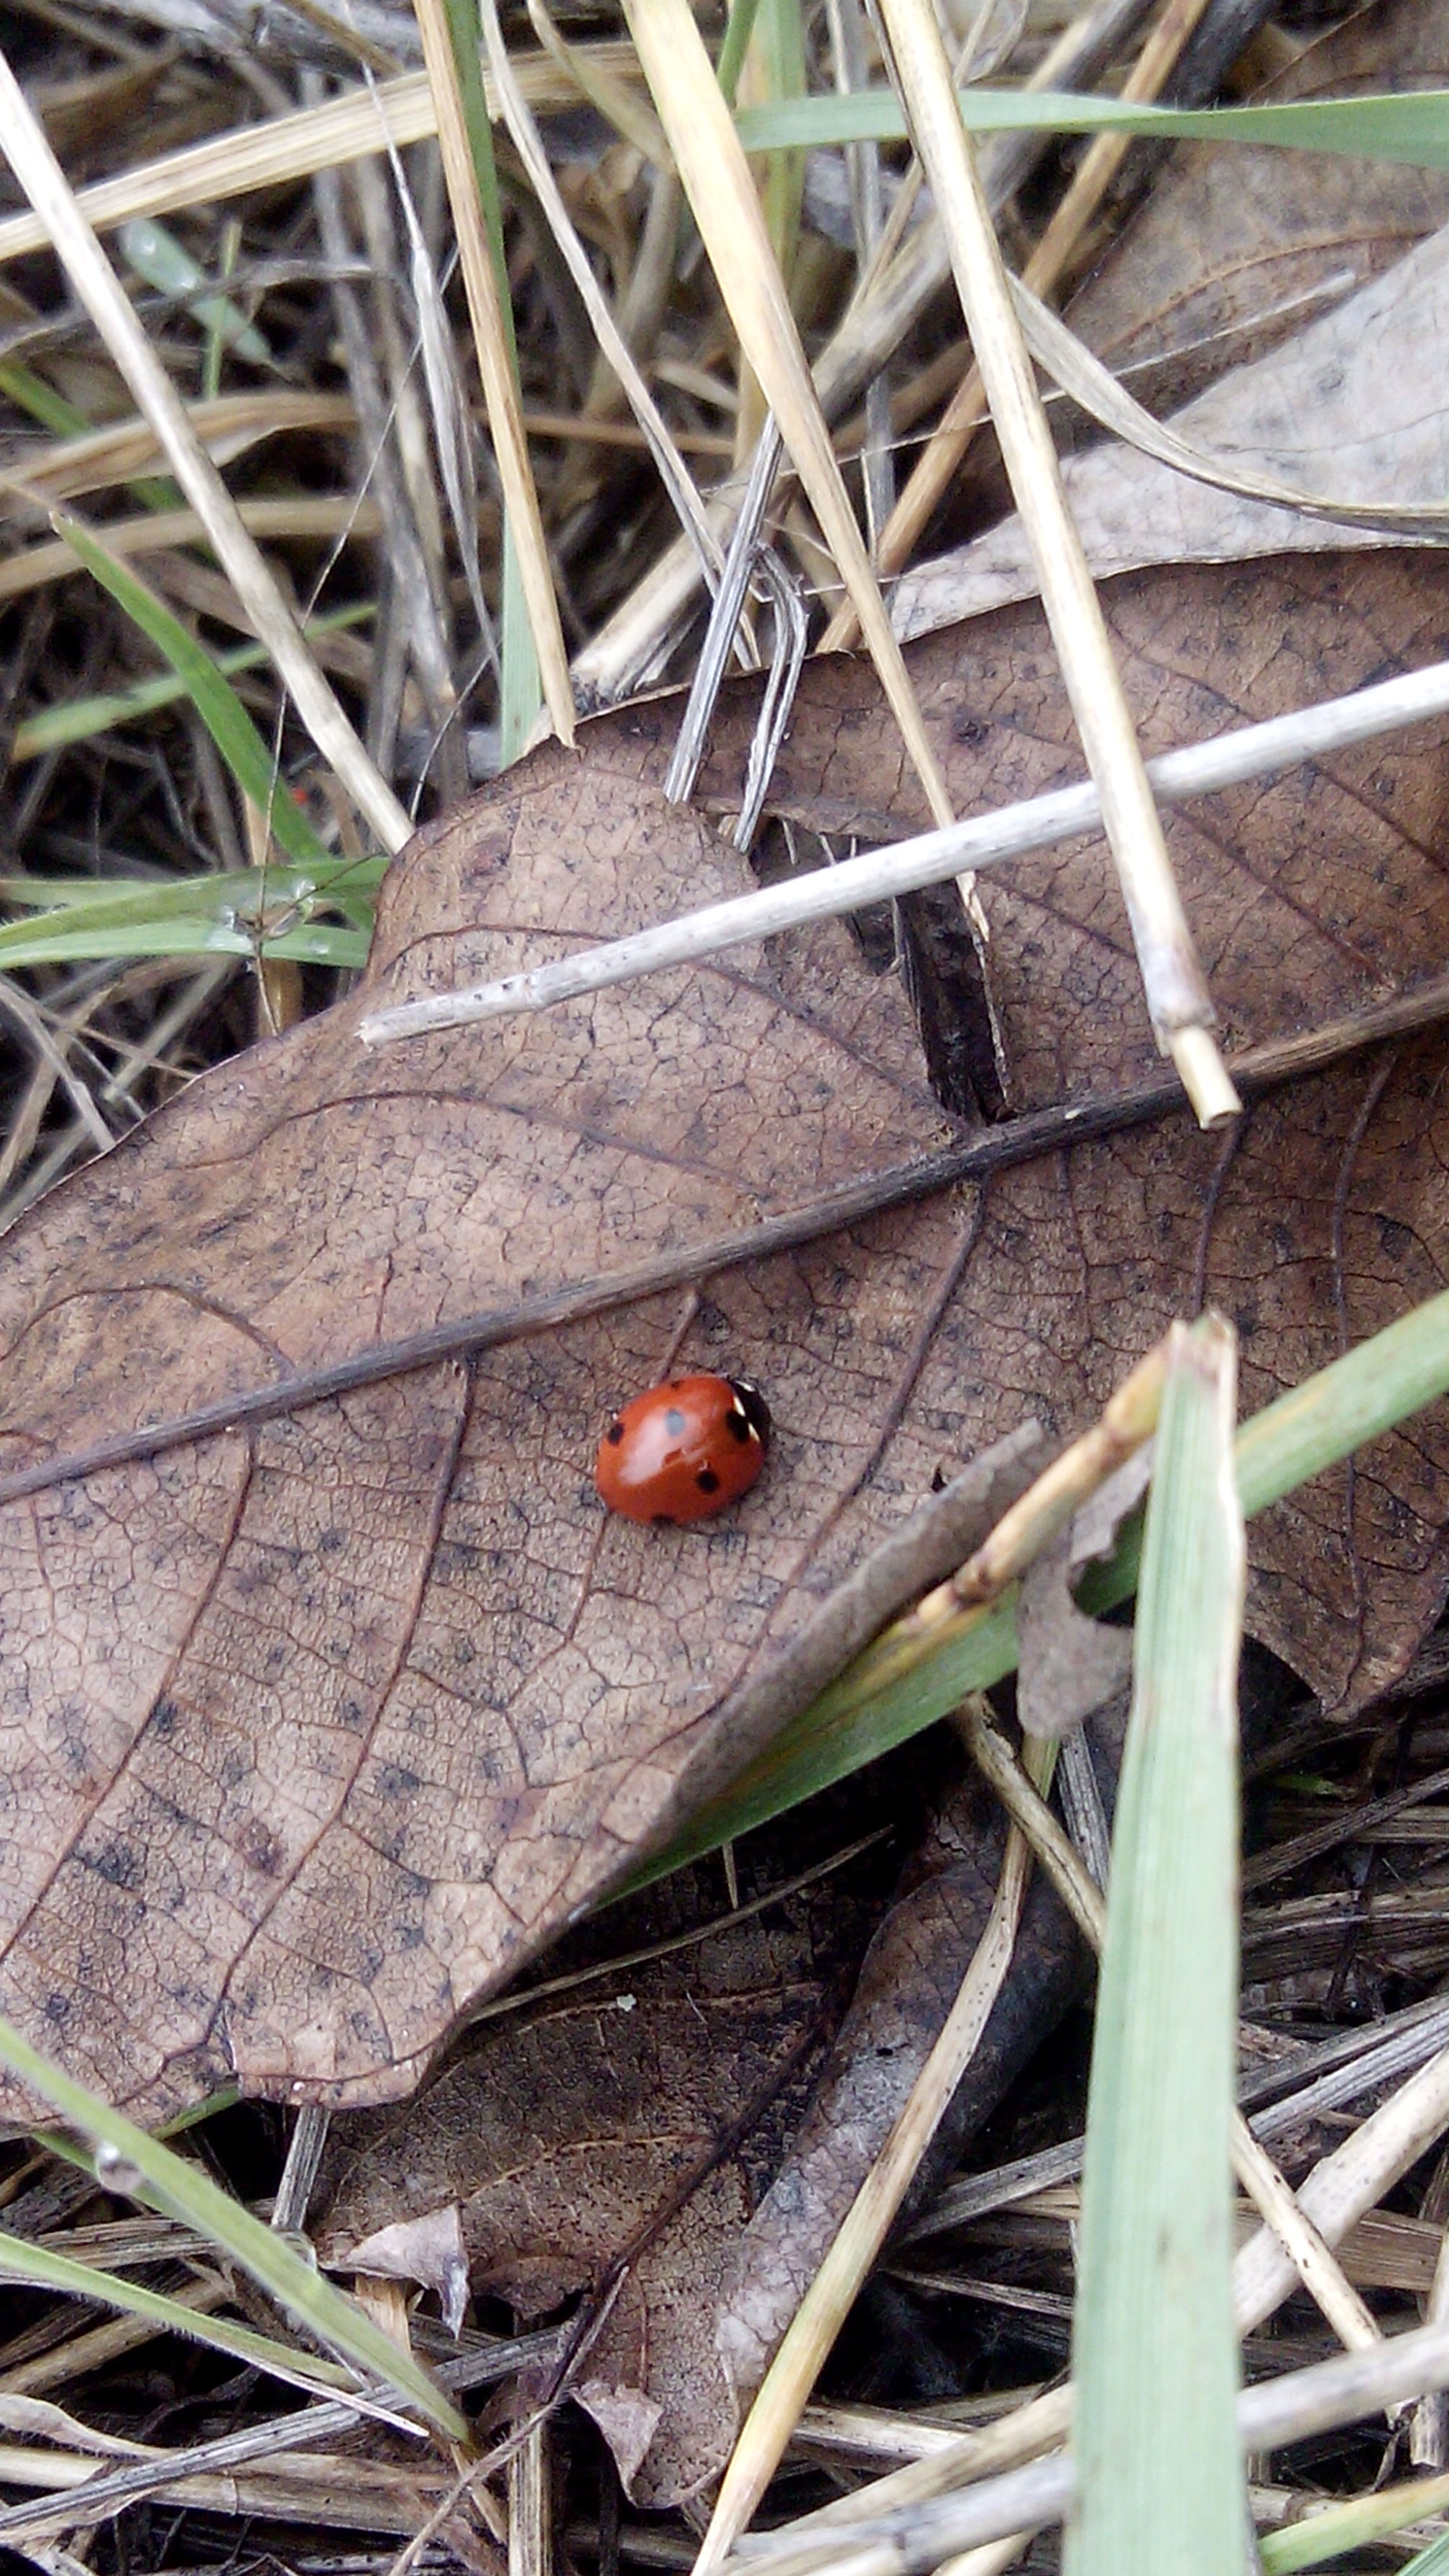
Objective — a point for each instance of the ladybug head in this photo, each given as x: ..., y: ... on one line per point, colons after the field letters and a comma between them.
x: 752, y: 1405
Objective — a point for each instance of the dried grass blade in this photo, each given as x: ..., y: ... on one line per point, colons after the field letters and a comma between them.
x: 492, y: 336
x: 673, y: 473
x: 944, y: 450
x: 1083, y: 376
x: 1177, y: 996
x: 96, y: 284
x: 817, y: 2321
x: 286, y: 148
x: 1331, y: 2529
x: 717, y: 180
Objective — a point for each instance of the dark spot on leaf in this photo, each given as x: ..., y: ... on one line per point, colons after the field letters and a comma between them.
x: 261, y: 1848
x: 118, y: 1863
x: 394, y: 1782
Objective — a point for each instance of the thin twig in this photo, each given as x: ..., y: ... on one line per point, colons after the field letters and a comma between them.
x: 987, y: 1151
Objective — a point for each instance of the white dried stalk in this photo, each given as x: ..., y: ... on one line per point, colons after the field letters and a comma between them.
x: 1289, y: 2409
x: 1225, y: 760
x: 1317, y: 2267
x: 726, y: 206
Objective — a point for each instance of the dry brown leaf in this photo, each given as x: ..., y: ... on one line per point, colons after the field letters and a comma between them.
x: 322, y: 1726
x: 633, y: 2122
x: 1234, y: 247
x: 1351, y: 409
x: 908, y: 1983
x: 561, y: 2134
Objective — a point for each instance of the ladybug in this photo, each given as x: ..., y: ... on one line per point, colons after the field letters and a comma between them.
x: 684, y: 1450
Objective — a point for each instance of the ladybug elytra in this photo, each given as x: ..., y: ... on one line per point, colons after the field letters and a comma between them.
x: 684, y: 1450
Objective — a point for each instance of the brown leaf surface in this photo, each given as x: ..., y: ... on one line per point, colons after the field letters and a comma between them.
x: 1235, y: 247
x: 319, y: 1728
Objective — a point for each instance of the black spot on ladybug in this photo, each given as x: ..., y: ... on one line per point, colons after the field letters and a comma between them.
x: 615, y: 1433
x: 674, y: 1423
x: 707, y: 1481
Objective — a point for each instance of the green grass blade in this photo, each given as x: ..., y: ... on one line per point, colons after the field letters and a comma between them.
x: 1433, y: 2561
x: 1160, y: 2478
x: 1353, y: 1400
x: 39, y: 2268
x: 81, y: 719
x: 182, y: 2191
x: 237, y: 913
x: 779, y: 50
x: 215, y: 701
x: 31, y: 393
x: 1326, y: 2535
x: 739, y: 28
x: 520, y: 693
x: 160, y: 260
x: 1412, y: 126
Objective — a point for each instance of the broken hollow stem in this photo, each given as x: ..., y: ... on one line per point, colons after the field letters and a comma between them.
x: 1125, y: 1423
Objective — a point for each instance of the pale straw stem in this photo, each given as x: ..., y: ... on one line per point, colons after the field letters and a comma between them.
x: 1038, y: 823
x: 1177, y: 996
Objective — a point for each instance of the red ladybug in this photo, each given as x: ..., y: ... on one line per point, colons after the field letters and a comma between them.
x: 683, y: 1450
